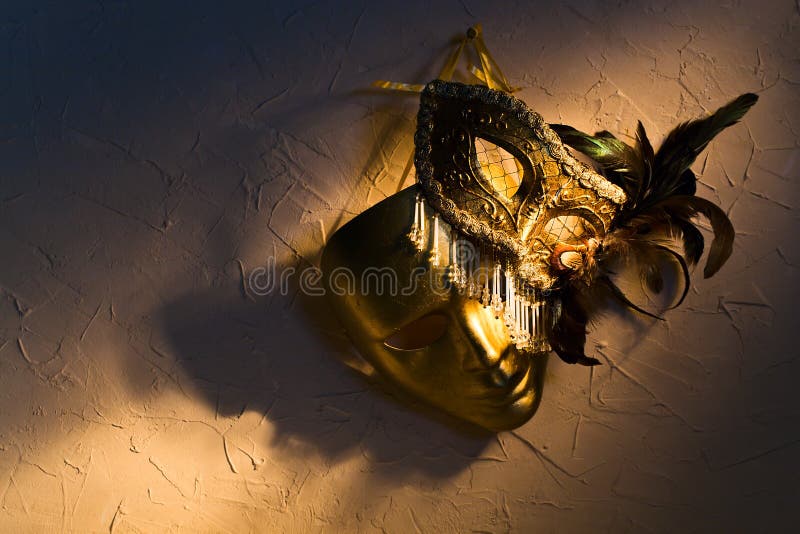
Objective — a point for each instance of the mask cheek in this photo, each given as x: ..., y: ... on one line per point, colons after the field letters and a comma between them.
x: 485, y: 339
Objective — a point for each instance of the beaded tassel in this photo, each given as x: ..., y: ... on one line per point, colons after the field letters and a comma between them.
x: 464, y: 268
x: 517, y: 316
x: 472, y: 288
x: 508, y: 317
x: 497, y: 302
x: 526, y: 320
x: 457, y: 272
x: 485, y: 296
x: 527, y: 314
x: 435, y: 248
x: 521, y: 340
x: 417, y: 234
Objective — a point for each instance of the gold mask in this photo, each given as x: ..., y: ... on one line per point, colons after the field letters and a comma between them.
x: 434, y: 344
x: 496, y: 171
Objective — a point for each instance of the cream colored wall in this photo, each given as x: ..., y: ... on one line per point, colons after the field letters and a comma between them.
x: 152, y: 155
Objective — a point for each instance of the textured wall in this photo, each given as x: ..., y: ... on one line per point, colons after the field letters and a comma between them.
x: 152, y: 156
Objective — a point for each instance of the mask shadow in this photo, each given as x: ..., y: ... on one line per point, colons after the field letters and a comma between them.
x: 282, y: 356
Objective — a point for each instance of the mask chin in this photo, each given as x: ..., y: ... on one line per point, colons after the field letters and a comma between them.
x: 426, y: 340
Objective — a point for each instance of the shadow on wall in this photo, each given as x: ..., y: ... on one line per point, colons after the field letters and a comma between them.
x: 281, y: 355
x: 265, y: 355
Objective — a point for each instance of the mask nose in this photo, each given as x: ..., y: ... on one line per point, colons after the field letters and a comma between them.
x: 486, y: 340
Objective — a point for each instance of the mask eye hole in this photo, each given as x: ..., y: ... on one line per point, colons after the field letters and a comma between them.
x: 566, y: 229
x: 418, y: 334
x: 499, y: 167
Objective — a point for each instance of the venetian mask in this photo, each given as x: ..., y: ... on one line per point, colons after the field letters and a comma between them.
x: 456, y: 289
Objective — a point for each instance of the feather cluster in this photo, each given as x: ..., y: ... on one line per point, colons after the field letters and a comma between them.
x: 660, y: 210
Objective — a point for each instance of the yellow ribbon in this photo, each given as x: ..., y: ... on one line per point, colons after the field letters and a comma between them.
x: 488, y: 73
x: 399, y: 86
x: 493, y: 77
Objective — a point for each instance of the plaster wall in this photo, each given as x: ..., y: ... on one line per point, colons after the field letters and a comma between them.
x: 154, y: 154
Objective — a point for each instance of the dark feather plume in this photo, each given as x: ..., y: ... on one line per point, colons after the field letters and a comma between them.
x: 660, y: 208
x: 568, y: 336
x: 683, y: 208
x: 644, y: 150
x: 643, y: 256
x: 683, y: 144
x: 693, y: 240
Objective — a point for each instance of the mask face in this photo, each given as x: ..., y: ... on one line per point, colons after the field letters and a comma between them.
x: 432, y: 343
